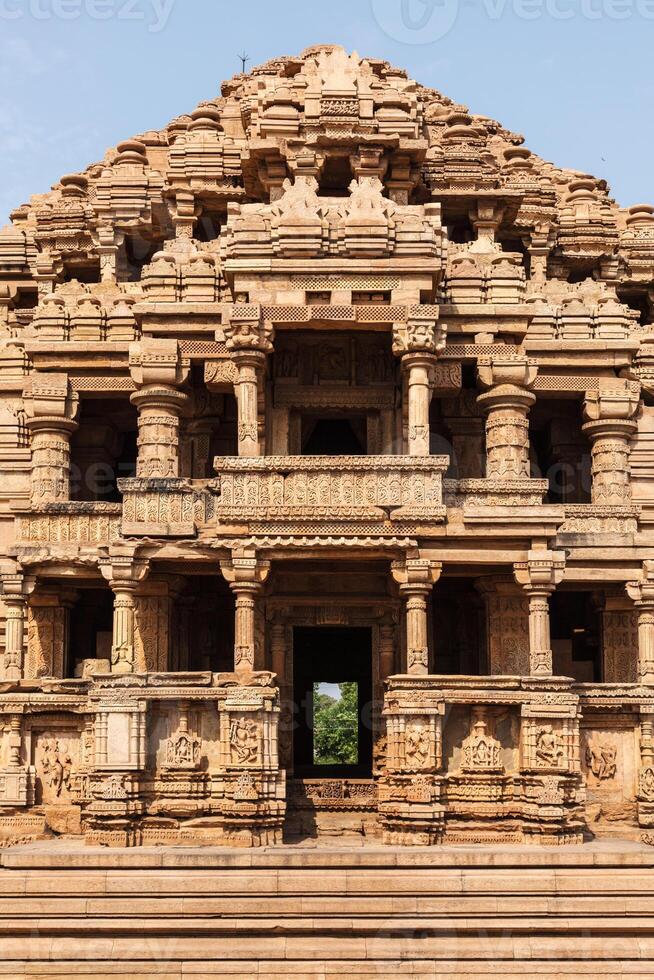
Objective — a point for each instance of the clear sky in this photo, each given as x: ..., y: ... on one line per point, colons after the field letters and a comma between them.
x: 576, y: 77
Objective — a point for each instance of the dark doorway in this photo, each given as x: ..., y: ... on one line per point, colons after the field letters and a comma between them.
x: 459, y: 628
x: 576, y: 628
x: 332, y: 664
x: 334, y: 436
x: 90, y: 628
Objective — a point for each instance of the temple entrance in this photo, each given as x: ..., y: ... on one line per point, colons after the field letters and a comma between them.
x: 332, y: 694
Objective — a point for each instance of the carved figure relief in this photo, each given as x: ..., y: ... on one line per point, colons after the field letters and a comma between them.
x: 601, y: 759
x: 244, y: 740
x: 549, y: 751
x: 183, y: 751
x: 416, y: 746
x: 54, y: 767
x: 481, y: 752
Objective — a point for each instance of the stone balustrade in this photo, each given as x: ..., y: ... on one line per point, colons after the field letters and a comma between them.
x: 172, y: 507
x: 327, y: 489
x: 70, y: 523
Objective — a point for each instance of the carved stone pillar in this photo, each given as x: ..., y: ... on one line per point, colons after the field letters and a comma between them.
x: 417, y: 368
x: 251, y: 366
x: 48, y: 617
x: 246, y: 576
x: 15, y: 590
x: 51, y: 407
x: 158, y: 370
x: 416, y: 578
x: 507, y: 405
x: 610, y: 427
x: 507, y: 615
x: 418, y: 342
x: 250, y: 339
x: 539, y: 577
x: 642, y: 593
x: 124, y: 572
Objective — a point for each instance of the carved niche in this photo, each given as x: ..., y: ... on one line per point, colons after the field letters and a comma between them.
x: 56, y: 754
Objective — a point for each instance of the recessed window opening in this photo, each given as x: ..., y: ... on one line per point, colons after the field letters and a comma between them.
x: 336, y: 723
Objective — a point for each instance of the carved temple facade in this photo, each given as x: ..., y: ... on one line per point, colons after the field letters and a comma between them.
x: 328, y: 381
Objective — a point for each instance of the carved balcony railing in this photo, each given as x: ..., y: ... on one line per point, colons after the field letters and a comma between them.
x: 166, y: 507
x: 473, y: 494
x: 583, y: 519
x: 330, y: 494
x: 70, y: 523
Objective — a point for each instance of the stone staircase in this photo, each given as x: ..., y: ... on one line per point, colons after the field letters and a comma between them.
x: 71, y: 911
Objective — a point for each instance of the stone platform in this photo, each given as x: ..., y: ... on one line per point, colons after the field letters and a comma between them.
x: 73, y: 911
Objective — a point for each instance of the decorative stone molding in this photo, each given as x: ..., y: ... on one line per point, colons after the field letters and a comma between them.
x: 539, y: 576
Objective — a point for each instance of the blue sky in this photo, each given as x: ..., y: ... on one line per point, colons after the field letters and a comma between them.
x: 576, y: 77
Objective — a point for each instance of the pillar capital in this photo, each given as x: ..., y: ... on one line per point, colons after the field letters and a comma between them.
x: 157, y: 362
x: 16, y: 586
x: 248, y: 360
x: 517, y: 372
x: 615, y: 402
x: 246, y: 330
x: 50, y: 397
x: 641, y: 591
x: 507, y: 398
x: 416, y: 575
x: 420, y: 334
x: 541, y: 573
x: 124, y: 570
x: 245, y: 572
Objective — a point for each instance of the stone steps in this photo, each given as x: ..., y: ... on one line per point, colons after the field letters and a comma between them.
x: 71, y: 911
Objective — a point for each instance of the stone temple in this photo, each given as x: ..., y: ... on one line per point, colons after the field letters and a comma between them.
x: 328, y: 382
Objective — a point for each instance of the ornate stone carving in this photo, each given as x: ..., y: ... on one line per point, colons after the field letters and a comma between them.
x: 549, y: 752
x: 601, y: 759
x: 480, y: 751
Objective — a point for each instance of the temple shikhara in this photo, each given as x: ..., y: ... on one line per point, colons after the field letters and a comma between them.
x: 329, y: 385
